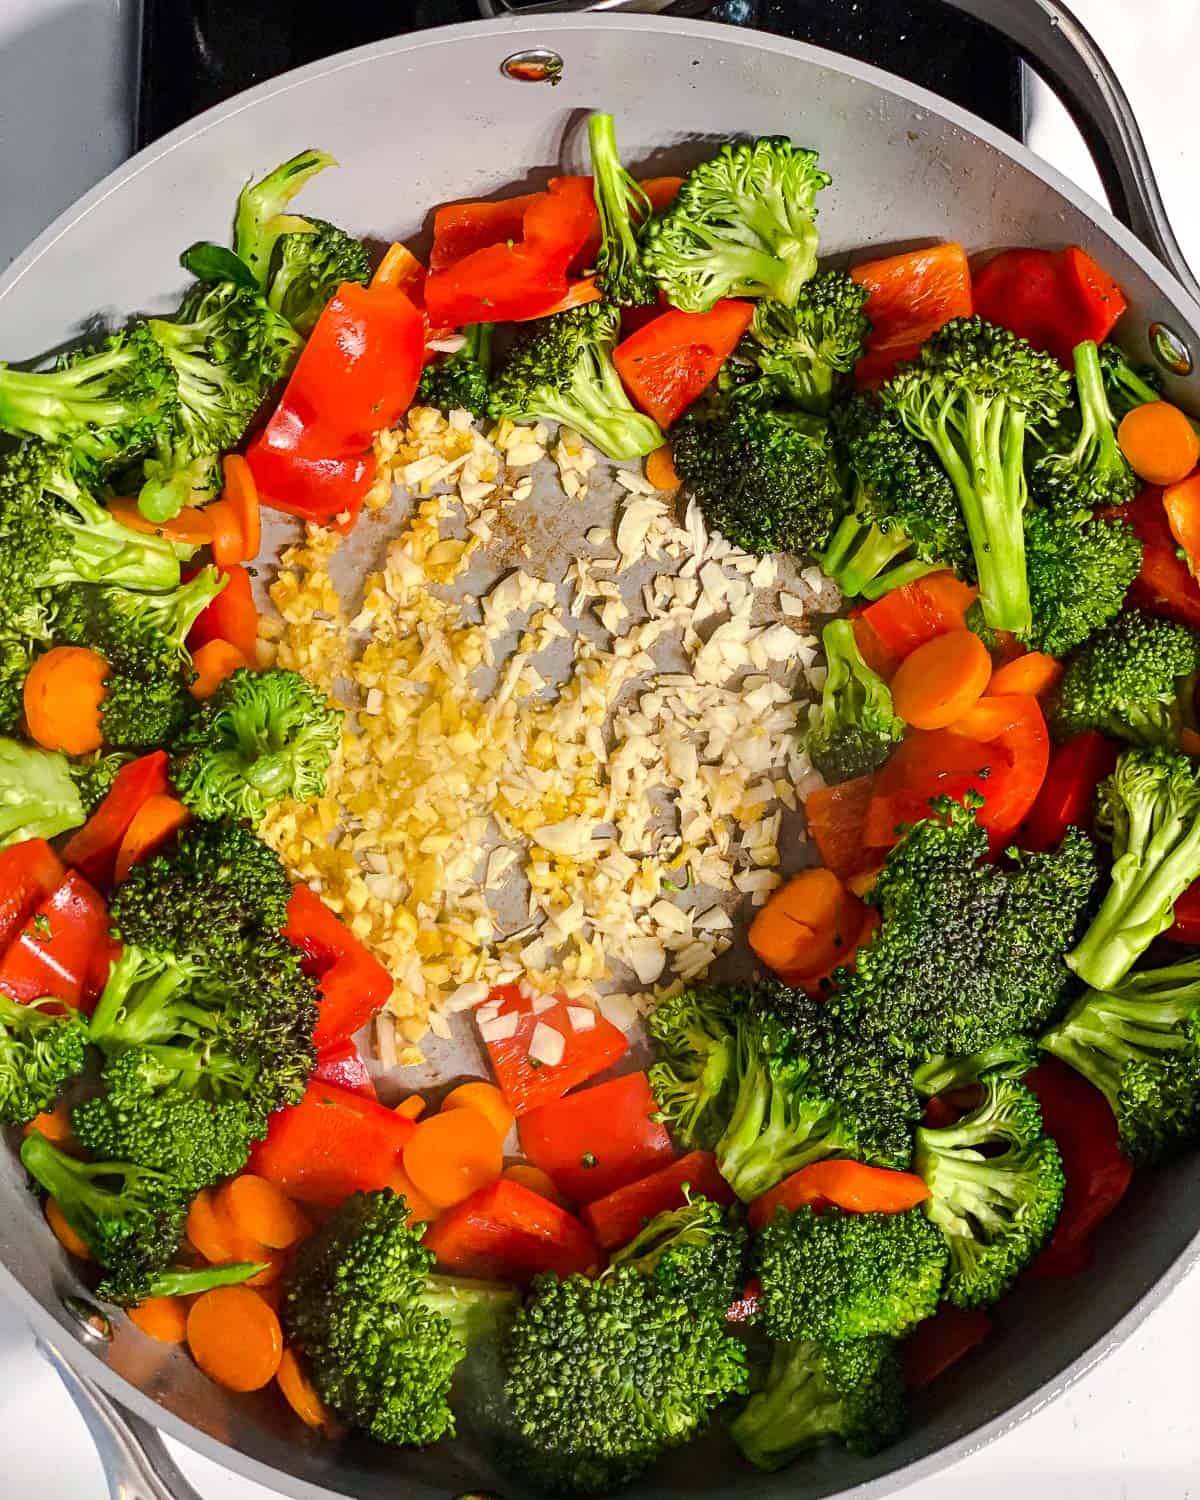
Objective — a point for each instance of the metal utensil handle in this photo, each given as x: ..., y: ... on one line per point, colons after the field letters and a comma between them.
x: 136, y: 1462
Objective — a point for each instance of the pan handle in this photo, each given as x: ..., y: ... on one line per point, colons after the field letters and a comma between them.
x: 135, y: 1459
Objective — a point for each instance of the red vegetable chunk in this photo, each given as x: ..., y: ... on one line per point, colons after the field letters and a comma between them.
x: 941, y: 1341
x: 527, y: 1084
x: 342, y: 1063
x: 670, y: 361
x: 506, y: 1232
x: 1055, y: 299
x: 617, y: 1217
x: 1068, y: 795
x: 354, y: 985
x: 63, y: 950
x: 29, y: 871
x: 92, y: 849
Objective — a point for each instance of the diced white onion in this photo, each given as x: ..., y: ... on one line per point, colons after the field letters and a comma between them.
x: 547, y: 1046
x: 581, y: 1017
x: 500, y: 1028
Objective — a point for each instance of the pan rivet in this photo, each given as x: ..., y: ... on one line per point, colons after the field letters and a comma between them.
x: 535, y: 65
x: 93, y: 1323
x: 1170, y: 350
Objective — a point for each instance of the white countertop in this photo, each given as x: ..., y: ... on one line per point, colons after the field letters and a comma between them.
x: 1131, y: 1429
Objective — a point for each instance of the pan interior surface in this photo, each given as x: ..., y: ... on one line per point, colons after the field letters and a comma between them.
x: 431, y: 118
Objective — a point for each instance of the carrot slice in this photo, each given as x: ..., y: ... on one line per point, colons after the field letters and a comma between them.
x: 63, y: 1232
x: 1034, y: 673
x: 578, y: 294
x: 420, y: 1210
x: 1159, y: 442
x: 1182, y: 504
x: 214, y: 662
x: 162, y: 1318
x: 536, y: 1181
x: 262, y: 1211
x: 411, y: 1108
x: 941, y: 679
x: 235, y: 1338
x: 399, y: 268
x: 153, y: 824
x: 242, y: 494
x: 488, y: 1100
x: 806, y: 925
x: 850, y: 1185
x: 987, y: 719
x: 192, y: 526
x: 206, y: 1233
x: 452, y: 1155
x: 54, y: 1124
x: 661, y: 471
x: 302, y: 1395
x: 63, y: 694
x: 228, y: 544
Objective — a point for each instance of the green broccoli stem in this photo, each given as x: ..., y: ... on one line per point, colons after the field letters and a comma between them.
x: 762, y: 1144
x: 618, y: 198
x: 44, y: 403
x: 600, y: 412
x: 186, y: 1281
x: 1098, y: 422
x: 857, y: 554
x: 114, y: 1022
x: 795, y: 1410
x: 479, y: 338
x: 896, y: 578
x: 475, y: 1310
x: 260, y: 212
x: 992, y: 495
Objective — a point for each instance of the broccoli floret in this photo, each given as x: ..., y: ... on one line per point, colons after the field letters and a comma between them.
x: 695, y: 1253
x: 382, y: 1336
x: 695, y: 1036
x: 1080, y: 567
x: 1125, y: 386
x: 905, y: 519
x: 1011, y: 1057
x: 1133, y: 681
x: 806, y: 349
x: 460, y: 381
x: 309, y: 264
x: 262, y: 215
x: 560, y: 369
x: 624, y: 208
x: 1093, y: 471
x: 813, y: 1393
x: 1140, y: 1046
x: 972, y: 394
x: 218, y: 888
x: 38, y: 795
x: 15, y: 662
x: 742, y: 225
x: 262, y: 736
x: 1150, y: 809
x: 997, y: 1184
x: 603, y: 1375
x: 107, y: 406
x: 970, y: 950
x: 765, y: 479
x: 94, y: 775
x: 137, y: 634
x: 835, y: 1275
x: 855, y: 729
x: 40, y: 1050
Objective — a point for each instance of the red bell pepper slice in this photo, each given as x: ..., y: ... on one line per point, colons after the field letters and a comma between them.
x: 29, y: 872
x: 876, y: 655
x: 92, y: 850
x: 232, y: 616
x: 354, y: 985
x: 327, y: 491
x: 849, y: 1185
x: 507, y: 1232
x: 1068, y: 795
x: 460, y: 229
x: 941, y: 1341
x: 342, y: 1063
x: 910, y: 297
x: 515, y: 278
x: 1078, y: 1118
x: 668, y: 363
x: 597, y: 1140
x: 617, y: 1217
x: 909, y: 616
x: 1054, y: 298
x: 528, y: 1085
x: 333, y: 1143
x: 837, y: 821
x: 1164, y: 586
x: 63, y: 950
x: 1186, y: 927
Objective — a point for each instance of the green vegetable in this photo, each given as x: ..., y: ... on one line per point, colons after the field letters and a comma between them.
x: 39, y: 1051
x: 1080, y: 567
x: 997, y: 1184
x: 742, y: 225
x: 835, y: 1275
x: 813, y: 1393
x: 381, y: 1335
x: 855, y: 729
x: 560, y: 369
x: 15, y: 662
x: 1139, y: 1044
x: 94, y: 775
x: 262, y: 736
x: 624, y: 208
x: 308, y: 266
x: 1011, y: 1057
x: 1133, y: 681
x: 973, y: 394
x: 1150, y: 809
x: 807, y: 349
x: 970, y: 950
x: 461, y: 381
x: 695, y: 1078
x: 38, y: 797
x: 1093, y: 471
x: 695, y: 1253
x: 262, y: 210
x: 1125, y: 386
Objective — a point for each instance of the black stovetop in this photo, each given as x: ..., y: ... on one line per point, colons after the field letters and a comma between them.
x: 197, y: 52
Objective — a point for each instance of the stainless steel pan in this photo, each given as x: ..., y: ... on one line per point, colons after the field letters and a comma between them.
x: 431, y: 117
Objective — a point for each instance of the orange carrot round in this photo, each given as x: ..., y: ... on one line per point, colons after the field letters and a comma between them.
x: 162, y: 1318
x: 661, y: 470
x: 206, y: 1234
x: 1182, y: 504
x: 820, y: 985
x: 939, y: 681
x: 63, y: 694
x: 192, y: 525
x: 452, y: 1155
x: 1034, y: 673
x: 536, y: 1181
x: 990, y: 717
x: 806, y: 924
x: 1159, y: 442
x: 302, y: 1395
x: 55, y: 1125
x: 235, y: 1338
x: 411, y: 1108
x: 228, y: 544
x: 155, y: 821
x: 262, y: 1211
x: 63, y: 1232
x: 242, y: 494
x: 420, y: 1210
x: 213, y: 663
x: 488, y: 1100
